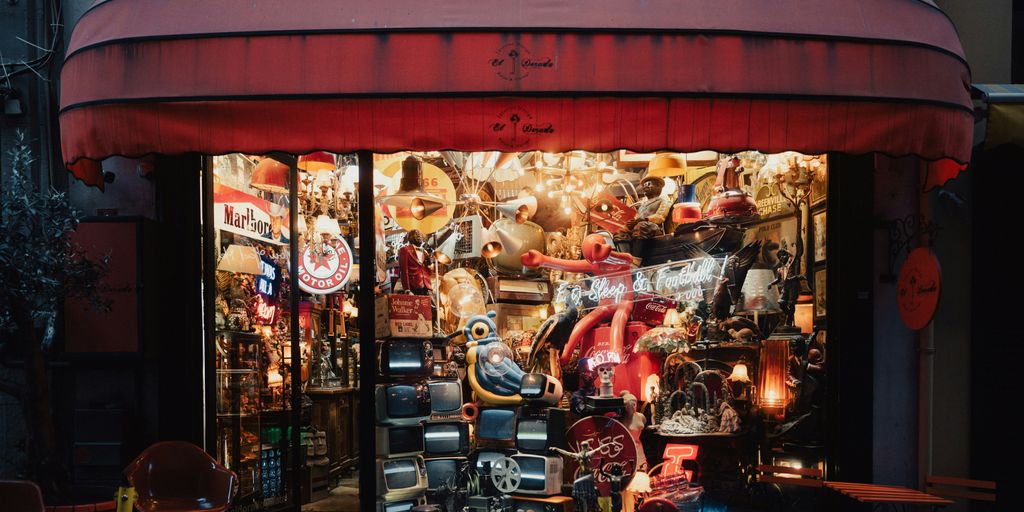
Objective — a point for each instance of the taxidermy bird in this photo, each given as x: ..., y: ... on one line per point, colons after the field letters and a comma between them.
x: 554, y: 332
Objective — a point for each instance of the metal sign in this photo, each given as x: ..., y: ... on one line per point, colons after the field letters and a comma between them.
x: 918, y: 288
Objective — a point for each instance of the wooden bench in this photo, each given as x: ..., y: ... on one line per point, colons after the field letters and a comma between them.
x: 952, y: 487
x: 886, y: 495
x: 784, y: 475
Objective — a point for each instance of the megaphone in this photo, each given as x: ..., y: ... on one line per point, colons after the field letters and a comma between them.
x: 446, y: 251
x: 509, y: 243
x: 519, y: 209
x: 491, y: 244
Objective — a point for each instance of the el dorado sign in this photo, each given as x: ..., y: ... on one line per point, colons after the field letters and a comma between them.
x: 325, y: 268
x: 918, y: 288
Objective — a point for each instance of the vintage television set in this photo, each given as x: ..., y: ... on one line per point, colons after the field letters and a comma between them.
x: 406, y: 357
x: 538, y: 387
x: 400, y: 506
x: 442, y: 470
x: 446, y: 438
x: 445, y: 399
x: 401, y: 479
x: 399, y: 441
x: 496, y: 424
x: 541, y: 431
x: 402, y: 403
x: 540, y: 474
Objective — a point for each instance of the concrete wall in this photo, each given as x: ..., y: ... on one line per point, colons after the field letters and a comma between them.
x: 985, y: 30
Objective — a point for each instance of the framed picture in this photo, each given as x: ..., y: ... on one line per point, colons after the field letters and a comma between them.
x: 820, y: 248
x: 819, y: 187
x: 820, y: 289
x: 781, y: 231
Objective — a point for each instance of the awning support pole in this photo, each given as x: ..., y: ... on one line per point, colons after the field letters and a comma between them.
x: 367, y: 341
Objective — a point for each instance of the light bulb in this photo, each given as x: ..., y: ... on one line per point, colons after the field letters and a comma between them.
x: 568, y: 210
x: 539, y: 187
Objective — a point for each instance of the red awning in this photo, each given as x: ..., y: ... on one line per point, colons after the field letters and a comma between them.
x: 885, y: 76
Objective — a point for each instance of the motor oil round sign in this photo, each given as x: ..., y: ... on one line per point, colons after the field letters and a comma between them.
x: 918, y: 288
x: 325, y: 268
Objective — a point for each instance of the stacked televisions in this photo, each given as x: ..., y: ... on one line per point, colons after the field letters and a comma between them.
x: 402, y: 402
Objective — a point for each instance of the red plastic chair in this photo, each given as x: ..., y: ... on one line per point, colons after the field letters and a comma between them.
x: 21, y: 495
x: 175, y: 476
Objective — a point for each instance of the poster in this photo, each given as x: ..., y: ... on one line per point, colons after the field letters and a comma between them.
x: 780, y: 231
x: 247, y: 215
x: 820, y: 247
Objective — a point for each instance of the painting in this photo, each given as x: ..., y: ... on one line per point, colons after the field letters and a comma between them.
x: 819, y: 187
x: 781, y: 231
x: 820, y: 289
x: 820, y: 247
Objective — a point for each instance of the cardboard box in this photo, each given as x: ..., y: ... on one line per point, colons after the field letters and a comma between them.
x: 403, y: 316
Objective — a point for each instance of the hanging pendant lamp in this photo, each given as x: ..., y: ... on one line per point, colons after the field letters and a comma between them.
x: 411, y: 194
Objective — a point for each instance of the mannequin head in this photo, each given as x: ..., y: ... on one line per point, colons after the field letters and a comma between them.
x: 414, y: 237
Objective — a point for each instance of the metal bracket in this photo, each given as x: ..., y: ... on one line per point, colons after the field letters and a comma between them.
x: 902, y: 235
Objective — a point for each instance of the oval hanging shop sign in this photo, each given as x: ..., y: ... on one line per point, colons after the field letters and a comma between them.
x: 918, y: 288
x: 325, y: 269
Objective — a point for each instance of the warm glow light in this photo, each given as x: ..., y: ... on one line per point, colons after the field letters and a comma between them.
x: 672, y: 318
x: 772, y: 375
x: 543, y: 314
x: 652, y: 386
x: 739, y: 373
x: 803, y: 318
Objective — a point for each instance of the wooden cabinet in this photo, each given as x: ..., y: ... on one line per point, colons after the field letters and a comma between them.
x: 335, y: 411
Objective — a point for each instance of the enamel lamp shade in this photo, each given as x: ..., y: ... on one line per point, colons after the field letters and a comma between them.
x: 241, y: 259
x: 316, y: 161
x: 666, y: 165
x: 270, y: 176
x: 410, y: 193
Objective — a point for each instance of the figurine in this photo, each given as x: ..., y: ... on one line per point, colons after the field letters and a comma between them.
x: 789, y: 285
x: 728, y: 420
x: 586, y: 388
x: 615, y: 481
x: 414, y: 264
x: 584, y: 490
x: 635, y: 423
x: 600, y: 259
x: 651, y: 211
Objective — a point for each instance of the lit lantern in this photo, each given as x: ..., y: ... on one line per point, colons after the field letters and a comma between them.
x: 772, y: 375
x: 739, y: 372
x: 652, y: 386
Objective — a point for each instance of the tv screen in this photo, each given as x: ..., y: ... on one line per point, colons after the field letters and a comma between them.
x: 534, y: 473
x: 445, y: 396
x: 532, y: 435
x: 440, y: 471
x: 497, y: 424
x: 445, y: 438
x: 533, y: 384
x: 403, y: 400
x: 400, y: 440
x: 407, y: 357
x: 397, y: 506
x: 400, y: 474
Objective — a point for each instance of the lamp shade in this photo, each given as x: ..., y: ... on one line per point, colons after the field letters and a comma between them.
x: 316, y: 161
x: 242, y: 259
x: 410, y: 193
x: 325, y: 225
x: 270, y: 176
x: 519, y: 209
x: 757, y: 295
x: 491, y: 246
x: 667, y: 165
x: 803, y: 317
x: 739, y: 373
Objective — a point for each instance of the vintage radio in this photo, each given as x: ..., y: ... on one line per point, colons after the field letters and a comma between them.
x: 522, y: 291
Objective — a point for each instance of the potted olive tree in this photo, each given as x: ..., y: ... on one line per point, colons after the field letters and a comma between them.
x: 40, y: 265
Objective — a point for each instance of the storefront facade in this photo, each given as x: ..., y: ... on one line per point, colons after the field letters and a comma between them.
x: 507, y: 111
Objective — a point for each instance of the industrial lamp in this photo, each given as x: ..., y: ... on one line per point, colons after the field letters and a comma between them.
x: 410, y: 193
x: 316, y: 161
x: 520, y: 209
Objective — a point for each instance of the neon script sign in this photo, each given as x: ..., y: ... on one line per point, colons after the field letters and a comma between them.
x: 689, y: 280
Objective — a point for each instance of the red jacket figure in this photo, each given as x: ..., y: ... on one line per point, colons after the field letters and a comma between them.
x: 414, y: 264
